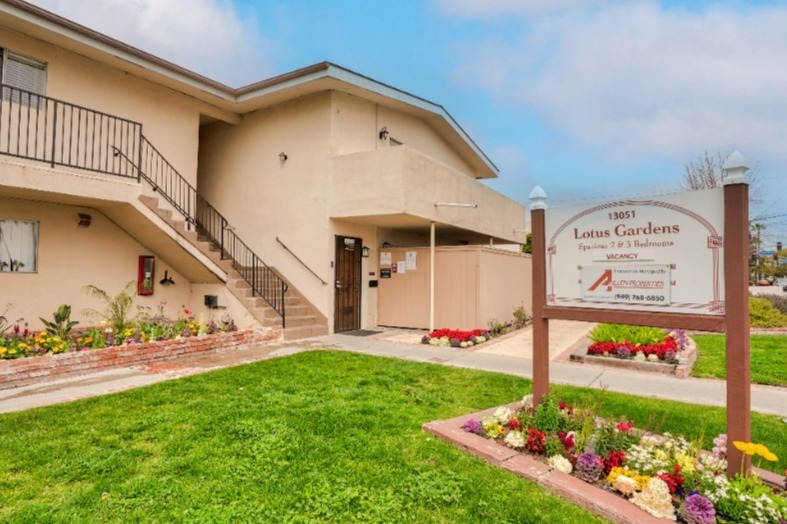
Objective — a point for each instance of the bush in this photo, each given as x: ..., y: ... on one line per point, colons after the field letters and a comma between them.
x: 637, y: 335
x: 763, y: 314
x: 778, y: 301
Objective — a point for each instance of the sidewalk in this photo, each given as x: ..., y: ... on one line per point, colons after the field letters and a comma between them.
x: 511, y: 354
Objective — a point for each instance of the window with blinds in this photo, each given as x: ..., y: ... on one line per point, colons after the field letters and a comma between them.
x: 25, y: 74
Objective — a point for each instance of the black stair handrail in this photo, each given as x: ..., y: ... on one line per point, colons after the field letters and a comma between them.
x: 176, y: 190
x: 38, y: 127
x: 45, y: 129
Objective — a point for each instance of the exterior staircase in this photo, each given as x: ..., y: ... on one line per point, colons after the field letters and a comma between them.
x: 303, y: 319
x: 109, y: 145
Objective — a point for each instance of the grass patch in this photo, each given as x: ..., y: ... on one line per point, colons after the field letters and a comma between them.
x: 316, y: 437
x: 768, y: 358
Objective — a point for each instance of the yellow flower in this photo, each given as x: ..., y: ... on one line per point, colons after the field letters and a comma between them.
x: 748, y: 448
x: 3, y: 350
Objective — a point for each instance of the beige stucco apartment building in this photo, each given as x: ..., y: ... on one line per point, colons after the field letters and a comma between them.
x: 279, y: 202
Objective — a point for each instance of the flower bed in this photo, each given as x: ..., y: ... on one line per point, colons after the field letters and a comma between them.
x: 25, y: 371
x: 456, y: 338
x: 666, y: 476
x: 639, y: 349
x: 19, y: 342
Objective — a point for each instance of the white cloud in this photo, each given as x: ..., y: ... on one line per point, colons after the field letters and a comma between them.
x: 498, y: 8
x: 634, y: 81
x: 206, y: 36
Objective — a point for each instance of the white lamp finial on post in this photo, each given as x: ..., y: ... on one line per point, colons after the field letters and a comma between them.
x: 734, y: 170
x: 538, y: 198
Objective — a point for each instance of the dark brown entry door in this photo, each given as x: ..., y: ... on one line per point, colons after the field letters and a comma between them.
x: 347, y: 314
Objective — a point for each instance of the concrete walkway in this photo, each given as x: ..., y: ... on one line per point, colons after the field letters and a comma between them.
x: 510, y: 354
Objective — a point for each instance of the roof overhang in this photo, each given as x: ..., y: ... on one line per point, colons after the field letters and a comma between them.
x: 46, y: 26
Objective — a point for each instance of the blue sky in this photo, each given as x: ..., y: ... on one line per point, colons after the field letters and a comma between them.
x: 591, y: 99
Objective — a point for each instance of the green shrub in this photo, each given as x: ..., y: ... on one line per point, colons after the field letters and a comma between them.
x: 117, y: 308
x: 778, y: 301
x: 638, y: 335
x: 62, y: 323
x: 763, y: 314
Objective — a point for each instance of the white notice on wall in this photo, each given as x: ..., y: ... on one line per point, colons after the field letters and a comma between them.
x: 401, y: 267
x: 410, y: 257
x: 385, y: 258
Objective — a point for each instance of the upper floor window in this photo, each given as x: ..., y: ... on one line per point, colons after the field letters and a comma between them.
x: 21, y: 72
x: 19, y: 246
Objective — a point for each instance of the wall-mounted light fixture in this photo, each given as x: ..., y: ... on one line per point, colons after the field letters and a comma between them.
x: 167, y: 280
x: 365, y: 252
x: 84, y: 220
x: 383, y: 134
x: 283, y: 157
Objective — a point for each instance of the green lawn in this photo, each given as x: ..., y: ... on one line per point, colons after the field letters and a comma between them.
x: 316, y: 437
x: 768, y: 358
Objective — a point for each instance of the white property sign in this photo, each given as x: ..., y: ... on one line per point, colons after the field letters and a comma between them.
x: 655, y: 254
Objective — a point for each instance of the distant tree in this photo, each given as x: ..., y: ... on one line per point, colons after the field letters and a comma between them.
x: 527, y: 247
x: 705, y: 172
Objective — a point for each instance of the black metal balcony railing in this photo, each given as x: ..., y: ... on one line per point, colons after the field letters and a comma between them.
x: 41, y: 128
x: 37, y: 127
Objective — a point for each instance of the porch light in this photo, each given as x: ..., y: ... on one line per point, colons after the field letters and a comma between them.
x: 365, y: 252
x: 84, y: 219
x: 383, y: 134
x: 283, y: 157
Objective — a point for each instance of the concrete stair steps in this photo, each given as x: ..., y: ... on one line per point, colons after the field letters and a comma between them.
x: 298, y: 332
x: 300, y: 321
x: 292, y: 311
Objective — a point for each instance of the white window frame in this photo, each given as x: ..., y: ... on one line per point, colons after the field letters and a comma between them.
x: 18, y: 243
x: 40, y: 86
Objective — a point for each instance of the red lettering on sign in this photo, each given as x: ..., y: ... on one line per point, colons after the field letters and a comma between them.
x: 604, y: 280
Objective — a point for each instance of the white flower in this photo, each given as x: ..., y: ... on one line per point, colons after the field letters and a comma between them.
x: 560, y: 463
x: 640, y: 357
x: 653, y: 357
x: 515, y: 439
x: 625, y: 485
x: 503, y: 415
x: 656, y: 499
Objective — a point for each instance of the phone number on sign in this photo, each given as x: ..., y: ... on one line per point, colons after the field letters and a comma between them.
x: 633, y: 297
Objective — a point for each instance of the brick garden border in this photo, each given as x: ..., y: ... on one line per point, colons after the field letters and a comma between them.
x: 590, y: 497
x: 32, y: 370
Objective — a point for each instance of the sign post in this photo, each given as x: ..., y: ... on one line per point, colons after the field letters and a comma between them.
x: 680, y: 261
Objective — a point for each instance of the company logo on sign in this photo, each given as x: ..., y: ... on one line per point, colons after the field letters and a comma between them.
x: 627, y: 284
x: 604, y: 280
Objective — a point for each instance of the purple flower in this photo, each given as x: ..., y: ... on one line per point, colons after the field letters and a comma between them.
x: 473, y: 426
x: 425, y: 339
x: 698, y: 510
x: 589, y: 467
x: 455, y: 342
x: 624, y: 352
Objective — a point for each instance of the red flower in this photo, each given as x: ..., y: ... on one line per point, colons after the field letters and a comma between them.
x: 614, y: 459
x: 514, y: 424
x: 187, y: 311
x: 674, y: 481
x: 625, y: 426
x: 535, y: 441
